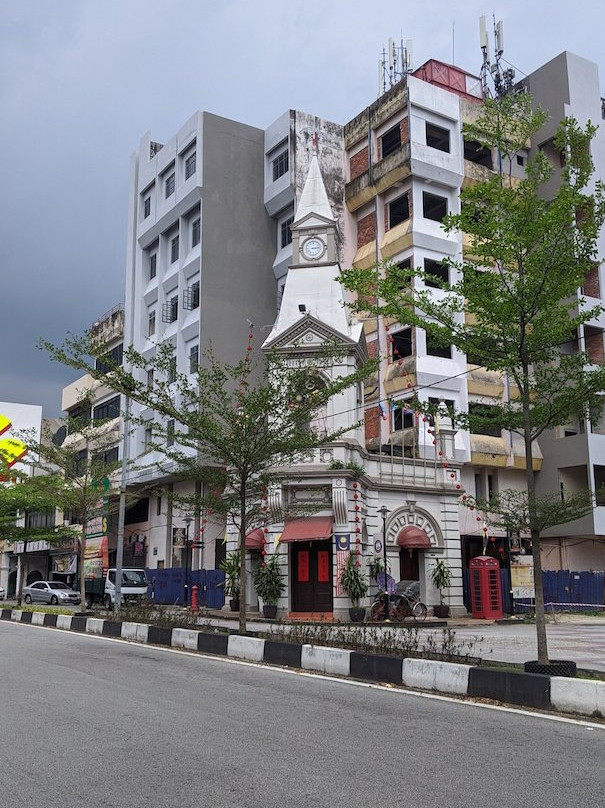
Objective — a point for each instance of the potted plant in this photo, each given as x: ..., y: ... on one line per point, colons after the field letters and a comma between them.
x: 441, y: 577
x: 231, y: 567
x: 356, y: 586
x: 269, y: 585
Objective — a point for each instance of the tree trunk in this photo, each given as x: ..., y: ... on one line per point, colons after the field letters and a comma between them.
x: 20, y: 574
x: 242, y: 561
x: 535, y: 539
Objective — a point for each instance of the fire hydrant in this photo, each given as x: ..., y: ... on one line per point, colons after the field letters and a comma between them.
x: 194, y: 605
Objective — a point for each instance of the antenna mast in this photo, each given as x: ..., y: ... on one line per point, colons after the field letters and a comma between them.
x: 395, y: 64
x: 502, y: 77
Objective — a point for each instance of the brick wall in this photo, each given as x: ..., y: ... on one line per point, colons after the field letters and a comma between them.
x: 594, y: 348
x: 372, y: 423
x: 591, y: 282
x: 358, y: 163
x: 366, y: 230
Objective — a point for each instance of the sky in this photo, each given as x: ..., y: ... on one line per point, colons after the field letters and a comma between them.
x: 82, y: 80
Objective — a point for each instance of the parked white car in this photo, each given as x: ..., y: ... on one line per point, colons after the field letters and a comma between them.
x: 2, y: 593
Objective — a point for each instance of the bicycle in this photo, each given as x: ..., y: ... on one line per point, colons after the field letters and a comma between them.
x: 404, y: 602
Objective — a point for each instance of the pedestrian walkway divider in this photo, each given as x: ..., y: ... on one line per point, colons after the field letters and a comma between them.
x: 582, y: 696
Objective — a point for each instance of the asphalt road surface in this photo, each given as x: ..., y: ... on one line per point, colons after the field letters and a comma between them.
x: 89, y: 722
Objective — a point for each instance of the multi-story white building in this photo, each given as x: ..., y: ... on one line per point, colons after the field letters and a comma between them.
x: 213, y: 243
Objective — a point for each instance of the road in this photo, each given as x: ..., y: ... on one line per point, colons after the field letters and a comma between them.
x: 90, y: 722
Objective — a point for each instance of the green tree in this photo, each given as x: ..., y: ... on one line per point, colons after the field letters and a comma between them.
x: 233, y: 428
x: 512, y: 303
x: 22, y: 498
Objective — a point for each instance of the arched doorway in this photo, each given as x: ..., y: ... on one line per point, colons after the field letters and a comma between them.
x: 33, y: 576
x: 411, y: 539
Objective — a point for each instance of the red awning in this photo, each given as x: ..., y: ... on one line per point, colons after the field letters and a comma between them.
x: 313, y: 528
x: 413, y: 538
x: 256, y: 540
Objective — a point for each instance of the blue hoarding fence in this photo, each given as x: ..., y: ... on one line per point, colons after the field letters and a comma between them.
x: 166, y: 586
x: 564, y: 590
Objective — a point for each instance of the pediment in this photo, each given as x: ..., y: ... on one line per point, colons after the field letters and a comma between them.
x: 312, y: 220
x: 308, y: 334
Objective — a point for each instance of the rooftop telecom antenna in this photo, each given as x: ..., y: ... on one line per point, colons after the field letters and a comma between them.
x: 502, y: 77
x: 396, y: 62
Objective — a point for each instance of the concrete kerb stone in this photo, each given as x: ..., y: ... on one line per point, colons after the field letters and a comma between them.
x: 16, y: 615
x: 326, y: 659
x: 38, y: 618
x: 252, y: 648
x: 64, y: 621
x: 582, y: 696
x: 94, y: 625
x: 135, y: 631
x: 184, y: 638
x: 428, y: 674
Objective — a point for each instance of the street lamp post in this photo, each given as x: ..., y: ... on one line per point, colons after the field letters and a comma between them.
x: 383, y: 511
x: 187, y: 521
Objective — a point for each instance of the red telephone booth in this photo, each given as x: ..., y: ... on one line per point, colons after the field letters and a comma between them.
x: 486, y: 593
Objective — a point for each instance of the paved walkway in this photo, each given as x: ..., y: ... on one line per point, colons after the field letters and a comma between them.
x: 575, y: 637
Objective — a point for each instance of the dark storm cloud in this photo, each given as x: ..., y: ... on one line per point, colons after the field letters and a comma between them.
x: 82, y: 80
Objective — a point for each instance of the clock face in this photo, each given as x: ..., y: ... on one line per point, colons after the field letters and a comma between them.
x: 313, y: 248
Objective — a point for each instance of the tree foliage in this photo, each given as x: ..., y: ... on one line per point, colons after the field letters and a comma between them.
x: 511, y: 304
x: 233, y: 428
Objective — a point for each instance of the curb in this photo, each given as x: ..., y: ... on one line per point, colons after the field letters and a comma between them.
x: 558, y: 694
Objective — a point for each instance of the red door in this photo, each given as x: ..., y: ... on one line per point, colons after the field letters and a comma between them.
x: 311, y: 576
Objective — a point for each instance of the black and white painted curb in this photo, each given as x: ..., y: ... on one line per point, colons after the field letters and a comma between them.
x: 583, y: 696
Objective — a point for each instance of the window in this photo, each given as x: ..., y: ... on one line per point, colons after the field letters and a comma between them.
x: 108, y: 409
x: 599, y: 484
x: 112, y: 358
x: 149, y: 379
x: 286, y: 232
x: 402, y: 344
x: 194, y: 355
x: 520, y: 160
x: 435, y: 347
x: 169, y: 185
x: 437, y: 270
x: 153, y: 266
x: 77, y: 418
x: 484, y: 419
x: 399, y: 210
x: 171, y: 375
x: 280, y: 165
x: 196, y: 228
x: 390, y: 141
x: 158, y: 504
x: 190, y: 166
x: 174, y: 249
x: 108, y: 458
x: 151, y: 324
x: 434, y: 207
x: 478, y: 153
x: 170, y: 433
x: 437, y: 409
x: 437, y: 137
x: 170, y: 310
x: 147, y: 207
x: 147, y: 439
x: 80, y: 462
x: 403, y: 280
x: 403, y: 418
x: 191, y: 296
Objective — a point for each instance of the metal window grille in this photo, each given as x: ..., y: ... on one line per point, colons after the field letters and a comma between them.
x: 174, y: 249
x: 194, y: 355
x: 280, y: 165
x: 191, y: 297
x: 169, y: 186
x: 190, y: 166
x: 170, y: 310
x: 286, y: 232
x: 390, y: 141
x: 196, y: 232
